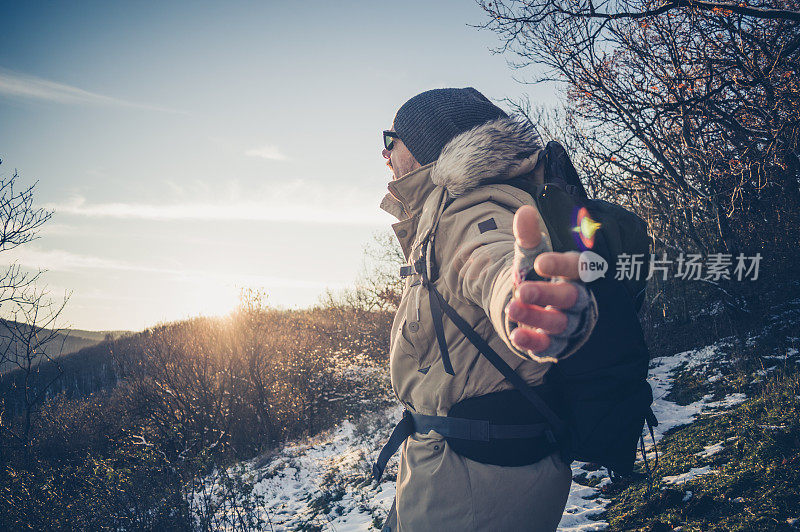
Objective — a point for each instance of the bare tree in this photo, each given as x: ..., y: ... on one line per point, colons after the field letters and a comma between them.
x: 379, y: 286
x: 540, y: 10
x: 20, y: 222
x: 688, y: 113
x: 28, y: 326
x: 32, y: 335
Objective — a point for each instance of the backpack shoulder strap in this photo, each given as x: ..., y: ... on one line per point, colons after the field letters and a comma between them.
x: 440, y: 307
x: 557, y: 426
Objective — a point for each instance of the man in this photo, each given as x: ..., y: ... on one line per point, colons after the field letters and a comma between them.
x: 472, y: 235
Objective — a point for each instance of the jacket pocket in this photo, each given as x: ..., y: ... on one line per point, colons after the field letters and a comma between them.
x: 417, y: 329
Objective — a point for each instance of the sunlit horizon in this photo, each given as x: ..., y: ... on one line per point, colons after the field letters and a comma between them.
x: 183, y: 164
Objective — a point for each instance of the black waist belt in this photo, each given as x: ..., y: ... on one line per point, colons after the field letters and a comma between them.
x: 460, y: 429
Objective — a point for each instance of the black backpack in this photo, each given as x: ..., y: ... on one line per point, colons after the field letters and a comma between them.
x: 603, y: 385
x: 594, y: 404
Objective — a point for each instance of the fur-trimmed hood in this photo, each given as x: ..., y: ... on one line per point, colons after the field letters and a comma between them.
x: 499, y: 149
x: 504, y: 147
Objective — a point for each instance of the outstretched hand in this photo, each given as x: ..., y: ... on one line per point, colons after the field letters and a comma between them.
x: 537, y: 306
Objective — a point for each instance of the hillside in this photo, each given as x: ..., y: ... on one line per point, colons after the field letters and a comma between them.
x: 65, y: 342
x: 269, y: 419
x: 727, y: 444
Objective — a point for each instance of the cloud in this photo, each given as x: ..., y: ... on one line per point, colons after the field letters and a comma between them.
x: 35, y: 258
x: 294, y: 201
x: 26, y: 86
x: 268, y: 151
x: 241, y: 212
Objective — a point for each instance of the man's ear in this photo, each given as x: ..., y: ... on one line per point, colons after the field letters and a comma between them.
x: 415, y: 163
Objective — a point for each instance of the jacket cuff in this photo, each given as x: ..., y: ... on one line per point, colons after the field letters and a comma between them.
x: 502, y: 293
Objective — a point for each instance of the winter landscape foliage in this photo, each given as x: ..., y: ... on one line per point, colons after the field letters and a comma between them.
x: 713, y: 437
x: 267, y: 419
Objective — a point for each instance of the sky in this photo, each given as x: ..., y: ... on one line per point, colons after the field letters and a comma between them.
x: 189, y: 150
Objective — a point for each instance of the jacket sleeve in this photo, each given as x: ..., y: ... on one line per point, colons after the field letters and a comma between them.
x: 475, y: 253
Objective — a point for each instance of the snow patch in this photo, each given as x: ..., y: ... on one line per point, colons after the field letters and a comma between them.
x: 711, y: 450
x: 584, y: 503
x: 692, y: 474
x: 662, y: 373
x: 326, y: 482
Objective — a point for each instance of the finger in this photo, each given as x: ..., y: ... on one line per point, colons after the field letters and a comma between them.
x: 550, y: 320
x: 529, y: 339
x: 554, y: 264
x: 560, y: 295
x: 526, y: 227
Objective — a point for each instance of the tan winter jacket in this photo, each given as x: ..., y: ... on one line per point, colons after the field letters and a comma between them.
x: 436, y: 488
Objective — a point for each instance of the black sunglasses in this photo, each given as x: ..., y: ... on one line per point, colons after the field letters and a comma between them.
x: 388, y: 139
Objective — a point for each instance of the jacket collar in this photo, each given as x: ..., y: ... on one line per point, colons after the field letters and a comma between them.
x: 405, y: 200
x: 407, y: 194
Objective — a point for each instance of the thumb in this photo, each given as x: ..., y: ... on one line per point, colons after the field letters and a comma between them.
x: 526, y: 227
x: 528, y: 243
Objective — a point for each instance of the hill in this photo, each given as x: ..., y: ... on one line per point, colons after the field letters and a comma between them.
x: 188, y: 423
x: 727, y: 443
x: 64, y: 342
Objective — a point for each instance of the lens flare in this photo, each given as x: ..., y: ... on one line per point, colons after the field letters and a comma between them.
x: 586, y: 228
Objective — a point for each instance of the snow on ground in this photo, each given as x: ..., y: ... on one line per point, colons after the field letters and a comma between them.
x: 584, y: 504
x: 711, y: 450
x: 326, y: 483
x: 692, y: 474
x: 662, y: 370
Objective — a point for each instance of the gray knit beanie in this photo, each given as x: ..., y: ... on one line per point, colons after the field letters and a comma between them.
x: 429, y: 120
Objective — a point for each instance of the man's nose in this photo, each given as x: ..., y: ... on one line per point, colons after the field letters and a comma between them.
x: 386, y: 153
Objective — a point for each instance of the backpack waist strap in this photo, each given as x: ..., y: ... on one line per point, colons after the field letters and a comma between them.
x: 451, y: 427
x: 474, y: 429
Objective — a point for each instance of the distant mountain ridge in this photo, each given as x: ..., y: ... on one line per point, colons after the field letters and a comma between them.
x: 65, y: 342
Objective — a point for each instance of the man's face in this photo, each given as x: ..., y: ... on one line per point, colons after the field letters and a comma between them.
x: 399, y: 159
